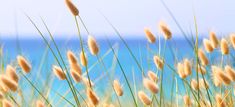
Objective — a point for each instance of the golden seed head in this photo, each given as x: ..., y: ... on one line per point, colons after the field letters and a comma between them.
x: 201, y: 70
x: 11, y: 73
x: 224, y: 47
x: 92, y: 97
x: 150, y: 85
x: 219, y: 101
x: 92, y: 45
x: 180, y: 69
x: 165, y: 30
x: 232, y: 39
x: 187, y: 100
x: 194, y: 84
x: 59, y: 72
x: 76, y: 76
x: 144, y: 98
x: 8, y: 83
x: 23, y: 63
x: 208, y: 45
x: 117, y: 87
x: 3, y: 88
x: 151, y: 38
x: 203, y: 84
x: 108, y: 105
x: 152, y: 76
x: 71, y: 57
x: 214, y: 40
x: 1, y: 95
x: 6, y: 103
x: 158, y: 62
x: 86, y: 81
x: 230, y: 72
x: 222, y: 76
x: 76, y: 67
x: 203, y: 57
x: 39, y: 104
x: 83, y: 58
x: 73, y: 9
x: 187, y: 67
x: 215, y: 80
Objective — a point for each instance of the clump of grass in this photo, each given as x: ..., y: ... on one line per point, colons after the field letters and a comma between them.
x: 196, y: 90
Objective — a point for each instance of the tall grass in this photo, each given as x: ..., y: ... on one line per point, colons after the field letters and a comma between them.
x: 184, y: 82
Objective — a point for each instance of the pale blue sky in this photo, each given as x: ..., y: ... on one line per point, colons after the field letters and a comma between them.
x: 129, y: 16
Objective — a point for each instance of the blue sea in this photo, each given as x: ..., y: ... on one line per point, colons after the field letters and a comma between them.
x: 42, y: 59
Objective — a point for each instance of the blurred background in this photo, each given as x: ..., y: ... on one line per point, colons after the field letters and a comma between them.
x: 129, y: 16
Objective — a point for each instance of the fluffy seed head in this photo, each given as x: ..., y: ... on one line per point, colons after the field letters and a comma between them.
x: 180, y: 69
x: 150, y: 85
x: 158, y: 62
x: 207, y: 45
x: 83, y: 58
x: 222, y: 77
x: 71, y: 57
x: 144, y: 98
x: 187, y: 100
x: 1, y: 96
x: 201, y: 70
x: 152, y: 76
x: 214, y: 40
x: 93, y: 46
x: 224, y: 47
x: 203, y: 57
x: 230, y: 72
x: 23, y: 63
x: 219, y: 101
x: 6, y: 103
x: 165, y: 30
x: 76, y: 76
x: 215, y: 80
x: 76, y: 67
x: 86, y: 81
x: 194, y: 84
x: 3, y: 88
x: 11, y: 73
x: 151, y: 38
x: 232, y: 39
x: 92, y: 97
x: 187, y: 67
x: 59, y: 72
x: 203, y: 84
x: 8, y: 83
x: 39, y: 104
x: 73, y: 9
x: 117, y: 87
